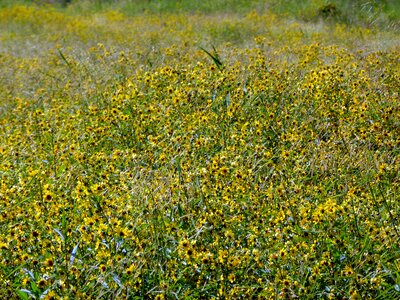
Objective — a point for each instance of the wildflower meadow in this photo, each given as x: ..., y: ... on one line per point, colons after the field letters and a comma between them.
x: 199, y: 149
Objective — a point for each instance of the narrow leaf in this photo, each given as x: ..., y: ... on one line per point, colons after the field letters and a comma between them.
x: 73, y: 254
x: 29, y: 272
x: 35, y: 288
x: 118, y: 281
x: 63, y: 221
x: 214, y: 57
x: 227, y: 100
x: 59, y: 233
x: 64, y: 58
x: 23, y: 294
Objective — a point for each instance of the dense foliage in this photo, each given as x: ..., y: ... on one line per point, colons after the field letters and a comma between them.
x: 193, y: 156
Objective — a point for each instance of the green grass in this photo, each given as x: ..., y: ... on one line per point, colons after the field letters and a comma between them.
x: 375, y: 14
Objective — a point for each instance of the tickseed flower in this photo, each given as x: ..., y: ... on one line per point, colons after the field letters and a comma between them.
x: 130, y: 269
x: 42, y: 283
x: 49, y: 262
x: 102, y: 268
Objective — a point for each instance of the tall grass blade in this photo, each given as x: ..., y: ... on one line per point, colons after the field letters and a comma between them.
x: 59, y: 233
x: 29, y: 272
x: 118, y: 281
x: 73, y: 254
x: 64, y: 58
x: 215, y: 58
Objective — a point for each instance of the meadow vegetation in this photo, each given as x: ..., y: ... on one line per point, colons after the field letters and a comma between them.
x: 172, y: 150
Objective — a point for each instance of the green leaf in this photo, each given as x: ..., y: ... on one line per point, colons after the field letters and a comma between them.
x: 64, y: 58
x: 215, y: 58
x: 35, y: 288
x: 23, y: 294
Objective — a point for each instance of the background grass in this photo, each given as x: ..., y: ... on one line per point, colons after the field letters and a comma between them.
x: 382, y: 14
